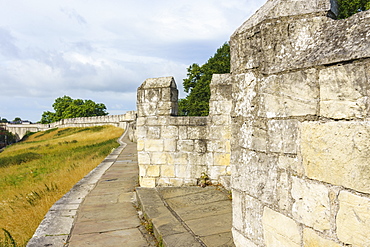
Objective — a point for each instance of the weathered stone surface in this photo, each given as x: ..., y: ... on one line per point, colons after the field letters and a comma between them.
x: 283, y: 136
x: 240, y: 240
x: 353, y: 219
x: 337, y: 153
x: 312, y: 239
x: 279, y: 230
x: 312, y: 205
x: 343, y: 92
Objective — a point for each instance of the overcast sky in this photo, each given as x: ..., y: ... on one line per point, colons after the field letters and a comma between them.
x: 104, y: 50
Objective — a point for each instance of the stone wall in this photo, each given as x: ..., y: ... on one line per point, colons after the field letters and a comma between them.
x: 301, y: 130
x: 120, y: 121
x: 175, y: 151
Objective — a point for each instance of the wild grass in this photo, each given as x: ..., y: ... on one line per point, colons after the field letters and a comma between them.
x: 35, y: 173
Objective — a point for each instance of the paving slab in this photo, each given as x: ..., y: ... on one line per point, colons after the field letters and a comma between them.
x: 188, y: 216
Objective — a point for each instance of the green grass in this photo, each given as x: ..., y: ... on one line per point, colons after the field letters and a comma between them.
x: 36, y: 172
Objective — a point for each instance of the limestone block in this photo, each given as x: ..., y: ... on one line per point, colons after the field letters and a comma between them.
x: 140, y: 145
x: 181, y: 171
x: 244, y: 93
x: 215, y: 172
x: 240, y: 240
x: 217, y: 146
x: 177, y: 158
x: 152, y: 170
x: 220, y: 120
x: 170, y: 145
x: 312, y: 239
x: 143, y: 158
x: 140, y: 121
x: 238, y: 210
x: 170, y: 132
x: 197, y: 158
x: 289, y: 94
x: 177, y: 181
x: 283, y: 193
x: 221, y: 159
x: 189, y: 181
x: 158, y: 158
x: 154, y: 145
x: 279, y: 230
x: 343, y: 91
x: 154, y: 132
x: 337, y: 153
x: 253, y: 212
x: 220, y: 132
x: 253, y: 135
x: 197, y: 132
x: 147, y: 182
x: 282, y: 136
x: 152, y: 120
x: 312, y: 204
x: 220, y: 107
x: 353, y: 219
x: 168, y: 171
x: 256, y: 174
x: 290, y: 162
x: 183, y: 132
x: 185, y: 145
x: 200, y: 146
x: 142, y: 170
x: 141, y: 132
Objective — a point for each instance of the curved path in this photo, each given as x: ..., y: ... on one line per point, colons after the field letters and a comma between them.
x: 99, y: 210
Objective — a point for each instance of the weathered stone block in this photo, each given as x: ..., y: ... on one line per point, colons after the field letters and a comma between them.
x: 140, y: 145
x: 244, y: 93
x: 290, y: 162
x: 183, y: 132
x: 181, y: 171
x: 256, y: 174
x: 170, y: 145
x: 200, y: 146
x: 154, y: 132
x: 152, y: 170
x: 170, y: 132
x: 337, y: 153
x: 312, y: 204
x: 198, y: 132
x: 185, y: 145
x: 343, y: 91
x: 238, y: 210
x: 353, y: 219
x: 312, y: 239
x: 253, y: 211
x: 167, y: 171
x: 283, y: 136
x: 253, y: 135
x: 143, y: 158
x: 240, y: 240
x: 221, y: 159
x: 147, y: 182
x: 154, y: 145
x: 197, y: 158
x: 275, y: 235
x: 158, y: 158
x: 177, y: 158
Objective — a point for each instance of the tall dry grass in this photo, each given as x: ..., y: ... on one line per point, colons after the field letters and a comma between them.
x: 35, y: 173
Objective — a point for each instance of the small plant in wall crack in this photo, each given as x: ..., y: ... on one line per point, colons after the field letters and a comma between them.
x: 204, y: 180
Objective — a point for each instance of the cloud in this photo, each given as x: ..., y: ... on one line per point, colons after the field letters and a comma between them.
x: 104, y: 50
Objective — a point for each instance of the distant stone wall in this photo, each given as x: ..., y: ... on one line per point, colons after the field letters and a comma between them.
x: 301, y: 131
x: 175, y: 151
x: 121, y: 121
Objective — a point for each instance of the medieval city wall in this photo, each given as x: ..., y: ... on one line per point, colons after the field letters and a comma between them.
x: 175, y: 151
x: 291, y: 121
x: 300, y: 147
x: 121, y: 121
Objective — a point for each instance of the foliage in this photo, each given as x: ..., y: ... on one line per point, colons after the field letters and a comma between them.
x: 8, y: 240
x: 6, y: 137
x: 17, y: 120
x: 18, y: 159
x: 66, y: 107
x: 3, y: 120
x: 198, y: 80
x: 351, y: 7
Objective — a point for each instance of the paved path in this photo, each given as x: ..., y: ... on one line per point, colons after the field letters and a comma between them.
x: 100, y: 210
x: 107, y: 216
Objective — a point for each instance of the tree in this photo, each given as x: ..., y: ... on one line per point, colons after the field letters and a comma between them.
x: 66, y: 107
x: 351, y: 7
x: 3, y: 120
x: 198, y: 80
x: 17, y: 120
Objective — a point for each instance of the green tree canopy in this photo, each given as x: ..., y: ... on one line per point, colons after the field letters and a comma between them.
x: 198, y: 80
x: 66, y: 107
x: 351, y: 7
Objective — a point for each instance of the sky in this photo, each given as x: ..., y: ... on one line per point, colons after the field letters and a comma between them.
x: 104, y: 50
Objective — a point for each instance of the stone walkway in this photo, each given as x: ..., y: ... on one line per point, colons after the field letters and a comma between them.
x: 101, y: 210
x: 107, y: 216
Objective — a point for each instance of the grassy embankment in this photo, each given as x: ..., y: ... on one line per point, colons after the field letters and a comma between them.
x: 35, y: 173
